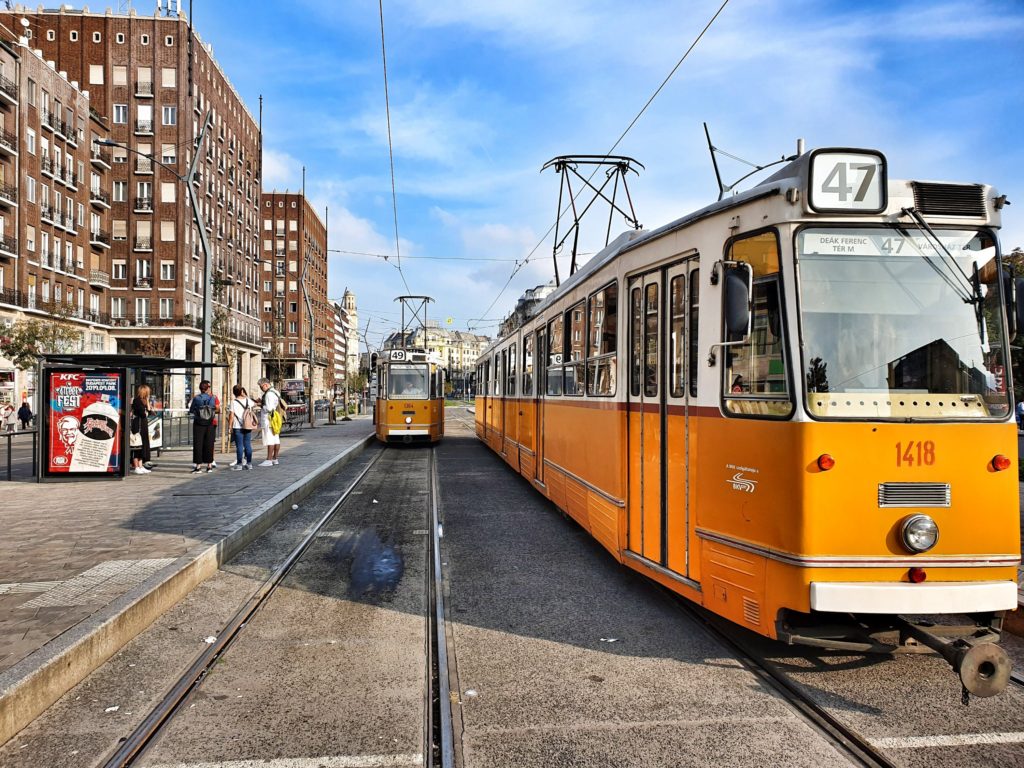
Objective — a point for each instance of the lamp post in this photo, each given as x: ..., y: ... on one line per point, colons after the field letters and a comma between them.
x: 197, y: 214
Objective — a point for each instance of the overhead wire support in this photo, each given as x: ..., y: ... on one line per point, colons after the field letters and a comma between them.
x: 391, y: 150
x: 617, y: 166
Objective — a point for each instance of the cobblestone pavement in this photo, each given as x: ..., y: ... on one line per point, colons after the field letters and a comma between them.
x: 69, y: 549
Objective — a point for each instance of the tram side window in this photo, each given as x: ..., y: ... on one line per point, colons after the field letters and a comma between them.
x: 576, y: 322
x: 528, y: 364
x: 651, y: 340
x: 604, y: 306
x: 541, y: 357
x: 636, y: 336
x: 510, y: 387
x: 756, y: 378
x: 677, y: 334
x: 499, y: 378
x: 555, y: 352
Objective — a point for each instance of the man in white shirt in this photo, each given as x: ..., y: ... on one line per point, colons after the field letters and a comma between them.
x: 269, y: 403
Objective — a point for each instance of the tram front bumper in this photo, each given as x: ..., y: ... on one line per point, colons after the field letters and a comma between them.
x: 902, y: 598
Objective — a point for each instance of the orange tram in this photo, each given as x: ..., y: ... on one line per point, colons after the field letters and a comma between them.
x: 409, y: 406
x: 791, y: 407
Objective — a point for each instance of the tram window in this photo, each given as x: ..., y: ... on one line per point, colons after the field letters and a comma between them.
x: 677, y: 335
x: 499, y: 377
x: 694, y: 326
x: 756, y: 380
x: 510, y: 387
x: 555, y: 351
x: 603, y: 326
x: 576, y: 321
x: 541, y: 356
x: 651, y: 340
x: 636, y: 336
x: 528, y: 364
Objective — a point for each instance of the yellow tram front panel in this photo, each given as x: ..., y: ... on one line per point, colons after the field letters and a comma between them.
x: 410, y: 403
x: 772, y: 523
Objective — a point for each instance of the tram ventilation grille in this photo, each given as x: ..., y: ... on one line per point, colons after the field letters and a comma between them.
x: 949, y: 199
x: 751, y: 611
x: 913, y: 494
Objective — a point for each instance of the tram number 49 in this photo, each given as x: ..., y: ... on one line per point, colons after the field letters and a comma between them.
x: 915, y: 453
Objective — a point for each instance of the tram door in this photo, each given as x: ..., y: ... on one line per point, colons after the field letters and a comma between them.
x: 659, y: 404
x: 539, y: 387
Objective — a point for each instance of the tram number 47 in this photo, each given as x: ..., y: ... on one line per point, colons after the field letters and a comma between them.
x: 915, y: 453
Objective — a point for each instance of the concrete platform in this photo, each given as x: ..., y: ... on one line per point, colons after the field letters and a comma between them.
x: 86, y: 566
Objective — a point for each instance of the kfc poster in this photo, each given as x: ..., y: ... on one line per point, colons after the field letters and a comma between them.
x: 84, y: 435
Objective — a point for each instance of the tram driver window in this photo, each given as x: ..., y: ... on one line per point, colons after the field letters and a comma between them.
x: 603, y: 307
x: 755, y: 376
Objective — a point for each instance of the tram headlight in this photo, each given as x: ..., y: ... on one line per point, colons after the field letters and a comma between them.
x: 919, y: 533
x: 408, y: 419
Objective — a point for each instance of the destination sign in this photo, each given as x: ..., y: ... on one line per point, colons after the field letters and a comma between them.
x: 879, y: 243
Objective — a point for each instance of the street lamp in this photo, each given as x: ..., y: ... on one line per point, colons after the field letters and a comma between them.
x: 206, y: 363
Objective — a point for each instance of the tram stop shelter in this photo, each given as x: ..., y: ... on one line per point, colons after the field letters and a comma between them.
x: 84, y: 408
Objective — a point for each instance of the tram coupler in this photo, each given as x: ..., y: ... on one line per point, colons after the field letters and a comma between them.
x: 984, y: 669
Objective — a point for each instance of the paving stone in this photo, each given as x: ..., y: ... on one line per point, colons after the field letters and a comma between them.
x: 69, y: 549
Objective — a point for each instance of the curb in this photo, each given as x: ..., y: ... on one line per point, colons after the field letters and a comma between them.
x: 29, y: 687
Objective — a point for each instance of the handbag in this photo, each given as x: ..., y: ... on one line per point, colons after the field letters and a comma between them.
x: 249, y: 420
x: 135, y: 440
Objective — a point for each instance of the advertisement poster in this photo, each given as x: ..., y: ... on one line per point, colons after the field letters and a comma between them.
x: 156, y: 432
x: 84, y: 434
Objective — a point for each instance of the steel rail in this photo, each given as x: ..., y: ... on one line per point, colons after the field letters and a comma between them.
x: 856, y: 747
x: 142, y: 737
x: 444, y: 698
x: 1018, y: 678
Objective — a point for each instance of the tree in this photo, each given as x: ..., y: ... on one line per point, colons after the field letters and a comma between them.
x: 30, y: 338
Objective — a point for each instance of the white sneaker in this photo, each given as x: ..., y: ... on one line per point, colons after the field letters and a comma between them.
x: 247, y: 466
x: 237, y: 468
x: 276, y: 462
x: 139, y: 471
x: 233, y: 463
x: 145, y: 471
x: 267, y: 463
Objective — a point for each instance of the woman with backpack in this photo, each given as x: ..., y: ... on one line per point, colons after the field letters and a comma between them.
x: 204, y: 413
x: 243, y: 422
x: 271, y: 402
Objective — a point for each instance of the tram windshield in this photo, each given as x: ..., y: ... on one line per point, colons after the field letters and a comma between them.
x: 895, y: 326
x: 408, y: 381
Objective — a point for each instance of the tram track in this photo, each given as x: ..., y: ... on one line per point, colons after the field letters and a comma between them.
x: 437, y: 741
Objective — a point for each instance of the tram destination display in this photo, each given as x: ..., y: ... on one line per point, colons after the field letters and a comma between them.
x: 83, y: 434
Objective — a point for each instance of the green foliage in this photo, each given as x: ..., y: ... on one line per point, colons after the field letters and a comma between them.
x: 30, y: 338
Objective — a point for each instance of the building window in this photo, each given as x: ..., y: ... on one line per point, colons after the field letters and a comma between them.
x: 30, y: 238
x: 168, y: 153
x: 119, y: 74
x: 119, y: 37
x: 169, y: 41
x: 144, y: 39
x: 120, y: 191
x: 30, y: 141
x: 73, y: 36
x: 51, y: 34
x: 97, y: 37
x: 291, y: 348
x: 167, y: 232
x: 170, y: 114
x: 120, y: 270
x: 168, y: 191
x: 168, y: 77
x: 31, y: 92
x: 166, y: 308
x: 117, y: 307
x: 121, y: 114
x: 95, y: 74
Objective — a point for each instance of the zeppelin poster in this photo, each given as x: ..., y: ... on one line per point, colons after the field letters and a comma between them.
x: 84, y: 425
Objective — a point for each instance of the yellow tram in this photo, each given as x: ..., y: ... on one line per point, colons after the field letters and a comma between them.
x: 409, y: 407
x: 792, y: 407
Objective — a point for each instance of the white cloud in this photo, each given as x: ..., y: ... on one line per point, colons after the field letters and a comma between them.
x: 281, y: 171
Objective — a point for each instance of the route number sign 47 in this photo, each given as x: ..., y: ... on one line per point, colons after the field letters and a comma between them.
x: 851, y: 181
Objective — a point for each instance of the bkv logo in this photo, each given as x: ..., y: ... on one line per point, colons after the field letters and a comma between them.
x: 741, y: 483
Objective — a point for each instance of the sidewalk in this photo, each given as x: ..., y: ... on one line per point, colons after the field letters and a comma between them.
x: 85, y: 566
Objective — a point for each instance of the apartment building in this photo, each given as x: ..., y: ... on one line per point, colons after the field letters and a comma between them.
x: 458, y: 349
x: 293, y: 281
x: 54, y: 206
x: 346, y: 338
x: 153, y: 82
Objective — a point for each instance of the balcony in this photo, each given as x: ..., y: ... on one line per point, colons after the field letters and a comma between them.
x: 71, y: 134
x: 8, y: 247
x: 99, y: 279
x: 46, y: 213
x: 143, y: 244
x: 48, y: 120
x: 47, y: 167
x: 143, y: 127
x: 8, y: 195
x: 8, y: 92
x: 143, y: 165
x: 99, y: 198
x: 143, y: 282
x: 99, y: 239
x: 143, y: 205
x: 8, y: 143
x: 144, y: 89
x: 100, y: 158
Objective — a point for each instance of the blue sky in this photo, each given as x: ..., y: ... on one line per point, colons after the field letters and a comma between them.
x: 482, y: 94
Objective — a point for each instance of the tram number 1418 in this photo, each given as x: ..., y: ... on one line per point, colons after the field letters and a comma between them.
x: 915, y: 454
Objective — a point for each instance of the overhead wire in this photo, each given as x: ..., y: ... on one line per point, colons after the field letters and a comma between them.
x: 533, y: 251
x: 391, y: 150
